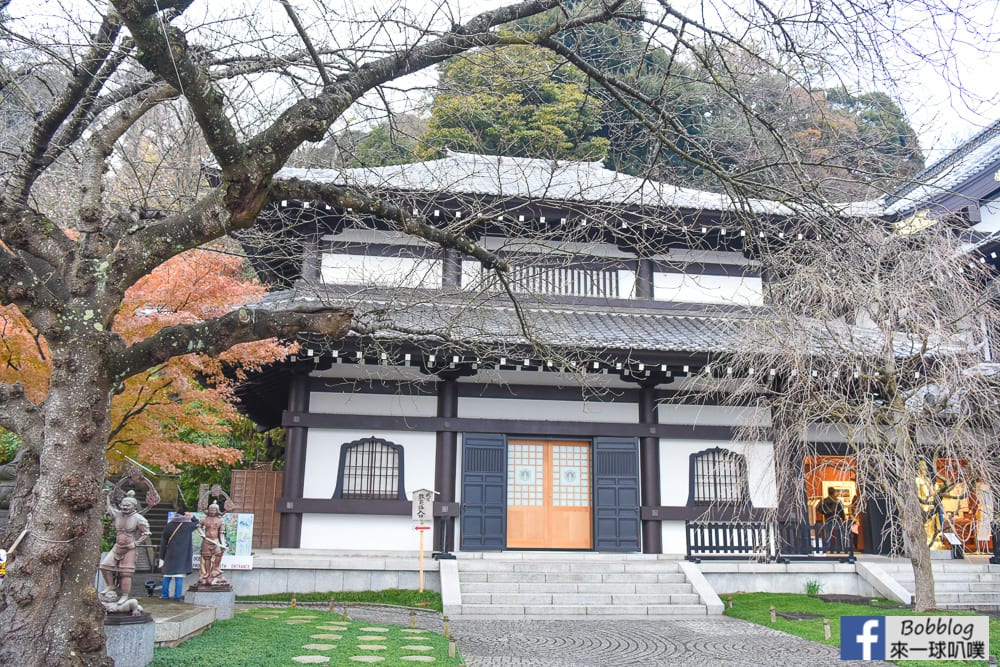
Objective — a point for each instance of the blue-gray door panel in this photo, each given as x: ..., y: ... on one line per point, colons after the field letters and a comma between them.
x: 616, y: 494
x: 484, y: 492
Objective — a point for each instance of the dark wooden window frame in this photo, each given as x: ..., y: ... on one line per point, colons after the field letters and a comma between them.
x: 399, y: 493
x: 735, y: 482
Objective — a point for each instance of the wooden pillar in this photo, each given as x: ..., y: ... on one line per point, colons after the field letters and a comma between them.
x: 445, y: 461
x: 649, y: 470
x: 293, y: 482
x: 451, y: 270
x: 644, y: 279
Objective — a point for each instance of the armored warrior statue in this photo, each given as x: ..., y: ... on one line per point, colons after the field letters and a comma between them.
x: 131, y: 530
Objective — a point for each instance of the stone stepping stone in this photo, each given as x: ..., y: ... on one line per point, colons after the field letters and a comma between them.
x: 325, y: 636
x: 332, y: 626
x: 296, y: 621
x: 371, y: 638
x: 311, y: 658
x: 375, y: 629
x: 417, y: 658
x: 371, y: 647
x: 313, y: 616
x: 367, y: 658
x: 414, y: 647
x: 413, y: 631
x: 319, y: 647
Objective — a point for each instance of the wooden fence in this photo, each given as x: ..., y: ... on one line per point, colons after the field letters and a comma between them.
x: 256, y: 492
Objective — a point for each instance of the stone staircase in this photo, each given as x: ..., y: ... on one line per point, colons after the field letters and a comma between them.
x: 971, y: 583
x: 540, y: 585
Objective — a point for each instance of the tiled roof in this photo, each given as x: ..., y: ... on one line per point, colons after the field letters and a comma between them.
x: 528, y: 178
x: 492, y: 323
x: 949, y: 173
x: 471, y: 321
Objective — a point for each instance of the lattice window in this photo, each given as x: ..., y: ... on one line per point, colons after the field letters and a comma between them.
x: 571, y: 476
x: 525, y: 467
x: 372, y: 469
x: 718, y: 476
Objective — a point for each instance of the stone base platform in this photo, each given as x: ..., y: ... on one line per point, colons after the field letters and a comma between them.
x: 130, y: 639
x: 223, y: 600
x: 177, y: 622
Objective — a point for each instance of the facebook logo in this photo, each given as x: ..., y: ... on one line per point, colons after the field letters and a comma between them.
x: 862, y: 637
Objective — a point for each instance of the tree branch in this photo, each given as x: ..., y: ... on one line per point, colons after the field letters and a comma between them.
x: 308, y: 42
x: 214, y: 336
x: 31, y: 162
x: 22, y: 286
x: 164, y: 49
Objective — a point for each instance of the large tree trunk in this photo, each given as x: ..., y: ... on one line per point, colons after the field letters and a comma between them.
x: 915, y: 542
x: 49, y: 611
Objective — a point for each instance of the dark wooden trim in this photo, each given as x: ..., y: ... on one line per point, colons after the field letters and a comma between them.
x: 472, y: 389
x: 445, y: 463
x: 707, y: 269
x: 506, y: 426
x: 293, y: 481
x: 301, y: 506
x: 358, y: 506
x: 713, y: 513
x: 649, y: 470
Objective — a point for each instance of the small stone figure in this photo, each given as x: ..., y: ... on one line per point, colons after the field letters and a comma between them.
x: 123, y: 605
x: 131, y: 530
x: 213, y: 545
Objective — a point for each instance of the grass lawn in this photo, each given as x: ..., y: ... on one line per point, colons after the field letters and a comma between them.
x: 756, y: 607
x: 267, y: 637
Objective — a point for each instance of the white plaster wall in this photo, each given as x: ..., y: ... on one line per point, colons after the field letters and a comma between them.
x: 675, y: 470
x: 323, y: 458
x: 626, y: 284
x: 348, y: 269
x: 393, y: 405
x: 673, y: 537
x: 582, y: 411
x: 712, y: 415
x: 697, y: 288
x: 362, y: 532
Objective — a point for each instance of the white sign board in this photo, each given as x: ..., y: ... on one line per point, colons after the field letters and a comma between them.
x: 239, y: 538
x: 423, y: 506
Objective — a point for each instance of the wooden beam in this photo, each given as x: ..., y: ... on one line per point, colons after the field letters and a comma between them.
x: 506, y: 426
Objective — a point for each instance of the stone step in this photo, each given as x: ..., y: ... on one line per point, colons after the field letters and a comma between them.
x: 967, y: 598
x: 476, y: 611
x: 556, y: 587
x: 588, y: 567
x: 641, y: 578
x: 568, y: 599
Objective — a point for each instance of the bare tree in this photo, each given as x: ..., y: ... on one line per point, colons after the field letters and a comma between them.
x: 79, y: 81
x: 877, y: 336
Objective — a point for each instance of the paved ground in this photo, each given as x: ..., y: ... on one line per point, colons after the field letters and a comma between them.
x: 713, y: 641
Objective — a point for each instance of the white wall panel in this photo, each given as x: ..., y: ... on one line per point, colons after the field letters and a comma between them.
x: 584, y: 411
x: 323, y: 458
x: 392, y: 405
x: 675, y: 469
x: 362, y: 533
x: 712, y: 415
x: 348, y: 269
x: 700, y: 288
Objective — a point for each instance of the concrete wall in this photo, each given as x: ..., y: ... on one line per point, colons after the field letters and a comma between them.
x: 836, y: 578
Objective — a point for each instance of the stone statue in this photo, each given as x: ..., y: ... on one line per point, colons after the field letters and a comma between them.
x: 131, y: 530
x: 123, y: 605
x: 213, y: 545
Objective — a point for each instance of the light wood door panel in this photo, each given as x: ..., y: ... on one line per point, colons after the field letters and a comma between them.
x: 548, y: 495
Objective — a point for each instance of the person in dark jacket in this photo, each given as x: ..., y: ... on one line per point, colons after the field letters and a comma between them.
x: 176, y: 553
